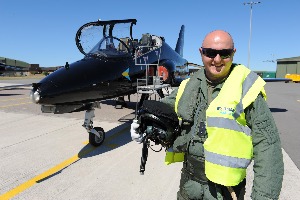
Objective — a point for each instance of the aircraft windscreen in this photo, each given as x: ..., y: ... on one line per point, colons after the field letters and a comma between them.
x: 120, y: 30
x: 110, y: 47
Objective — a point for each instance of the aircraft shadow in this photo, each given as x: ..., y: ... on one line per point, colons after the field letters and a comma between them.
x: 127, y: 118
x: 13, y: 88
x: 278, y: 110
x: 5, y: 95
x: 115, y: 138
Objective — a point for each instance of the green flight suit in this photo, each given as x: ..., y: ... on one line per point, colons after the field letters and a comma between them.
x: 268, y: 161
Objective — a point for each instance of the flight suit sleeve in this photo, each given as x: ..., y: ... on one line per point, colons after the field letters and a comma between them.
x: 170, y: 100
x: 267, y: 153
x: 179, y: 144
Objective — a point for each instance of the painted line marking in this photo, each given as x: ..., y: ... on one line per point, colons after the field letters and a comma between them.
x: 85, y: 142
x: 298, y: 100
x: 13, y: 192
x: 19, y: 104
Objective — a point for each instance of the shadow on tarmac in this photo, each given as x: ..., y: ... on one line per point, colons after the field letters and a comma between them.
x: 115, y: 138
x: 278, y: 110
x: 6, y: 95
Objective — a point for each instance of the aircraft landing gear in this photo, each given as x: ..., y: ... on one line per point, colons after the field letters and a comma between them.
x: 120, y: 103
x: 96, y: 134
x: 94, y: 139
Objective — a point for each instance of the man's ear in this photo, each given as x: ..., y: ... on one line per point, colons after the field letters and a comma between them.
x: 234, y: 50
x: 200, y: 50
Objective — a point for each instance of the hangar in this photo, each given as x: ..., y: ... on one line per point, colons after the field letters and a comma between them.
x: 287, y: 66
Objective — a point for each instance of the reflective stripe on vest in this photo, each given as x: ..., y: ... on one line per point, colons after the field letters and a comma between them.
x: 220, y: 122
x: 226, y: 161
x: 228, y: 149
x: 171, y: 156
x: 248, y: 83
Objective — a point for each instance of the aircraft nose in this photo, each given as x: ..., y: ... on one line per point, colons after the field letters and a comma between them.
x: 35, y: 94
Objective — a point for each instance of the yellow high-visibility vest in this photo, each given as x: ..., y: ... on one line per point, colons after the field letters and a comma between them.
x: 228, y: 149
x: 256, y: 84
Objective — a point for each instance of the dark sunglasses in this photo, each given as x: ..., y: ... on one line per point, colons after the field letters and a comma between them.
x: 212, y: 53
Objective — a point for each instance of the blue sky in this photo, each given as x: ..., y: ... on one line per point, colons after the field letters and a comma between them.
x: 43, y: 31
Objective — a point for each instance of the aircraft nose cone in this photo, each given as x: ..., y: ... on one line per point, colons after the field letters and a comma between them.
x: 35, y: 96
x: 35, y: 93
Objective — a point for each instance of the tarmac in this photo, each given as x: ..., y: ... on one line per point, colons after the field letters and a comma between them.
x: 47, y: 156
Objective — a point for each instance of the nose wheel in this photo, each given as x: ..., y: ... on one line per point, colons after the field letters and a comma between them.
x: 97, y: 140
x: 96, y: 134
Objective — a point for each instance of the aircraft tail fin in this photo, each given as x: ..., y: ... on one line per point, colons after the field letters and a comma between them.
x: 180, y: 42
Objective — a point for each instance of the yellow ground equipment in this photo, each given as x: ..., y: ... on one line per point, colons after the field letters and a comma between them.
x: 295, y: 77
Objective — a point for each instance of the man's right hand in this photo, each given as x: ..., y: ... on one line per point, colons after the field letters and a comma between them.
x: 135, y: 133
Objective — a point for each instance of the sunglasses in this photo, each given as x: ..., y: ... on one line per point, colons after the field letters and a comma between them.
x: 212, y: 53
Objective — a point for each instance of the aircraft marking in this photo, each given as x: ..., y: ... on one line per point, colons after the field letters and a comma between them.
x: 126, y: 74
x: 48, y: 173
x: 19, y: 104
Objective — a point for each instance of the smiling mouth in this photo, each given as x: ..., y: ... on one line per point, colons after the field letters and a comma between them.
x: 219, y: 66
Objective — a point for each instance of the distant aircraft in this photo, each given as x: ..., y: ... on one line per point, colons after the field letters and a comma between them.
x: 110, y: 68
x: 6, y: 68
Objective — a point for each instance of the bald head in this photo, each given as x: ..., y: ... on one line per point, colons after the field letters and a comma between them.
x: 218, y: 39
x: 217, y: 53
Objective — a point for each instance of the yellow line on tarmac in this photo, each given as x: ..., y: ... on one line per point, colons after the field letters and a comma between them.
x: 10, y: 194
x: 15, y: 105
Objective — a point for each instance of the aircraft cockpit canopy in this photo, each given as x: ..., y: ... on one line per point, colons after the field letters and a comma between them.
x: 99, y: 35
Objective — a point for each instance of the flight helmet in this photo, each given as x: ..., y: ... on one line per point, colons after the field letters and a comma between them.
x: 158, y: 122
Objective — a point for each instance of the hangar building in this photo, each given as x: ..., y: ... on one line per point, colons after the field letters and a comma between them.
x: 287, y: 66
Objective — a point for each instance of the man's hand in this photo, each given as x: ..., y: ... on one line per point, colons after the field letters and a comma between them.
x: 134, y: 132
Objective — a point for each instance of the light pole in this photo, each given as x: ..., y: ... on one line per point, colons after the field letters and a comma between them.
x: 250, y: 3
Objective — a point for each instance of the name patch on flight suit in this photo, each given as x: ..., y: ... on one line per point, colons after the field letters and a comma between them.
x: 225, y: 110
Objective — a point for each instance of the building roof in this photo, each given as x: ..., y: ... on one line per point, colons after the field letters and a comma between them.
x: 13, y: 62
x: 289, y: 59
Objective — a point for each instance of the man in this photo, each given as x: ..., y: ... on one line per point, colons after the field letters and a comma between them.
x: 225, y: 124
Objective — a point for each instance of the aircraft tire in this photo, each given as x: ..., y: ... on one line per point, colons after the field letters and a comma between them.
x: 94, y: 139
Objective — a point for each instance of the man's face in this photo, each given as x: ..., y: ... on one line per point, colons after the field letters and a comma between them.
x: 217, y: 55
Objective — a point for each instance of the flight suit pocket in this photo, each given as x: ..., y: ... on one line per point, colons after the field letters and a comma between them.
x: 193, y: 190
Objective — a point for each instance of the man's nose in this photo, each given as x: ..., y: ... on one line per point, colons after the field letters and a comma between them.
x: 217, y: 59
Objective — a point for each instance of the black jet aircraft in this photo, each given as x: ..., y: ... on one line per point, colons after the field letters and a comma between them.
x: 112, y: 67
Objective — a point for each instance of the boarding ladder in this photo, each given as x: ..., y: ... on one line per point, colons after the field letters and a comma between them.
x: 150, y: 84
